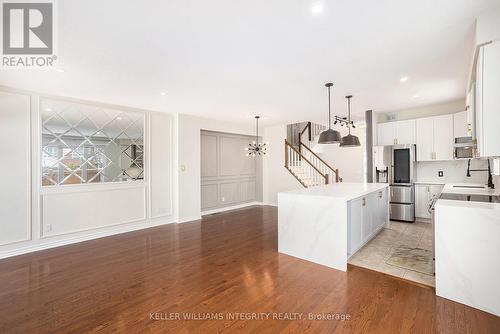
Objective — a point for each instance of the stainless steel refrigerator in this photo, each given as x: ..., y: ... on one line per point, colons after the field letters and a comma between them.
x: 396, y: 165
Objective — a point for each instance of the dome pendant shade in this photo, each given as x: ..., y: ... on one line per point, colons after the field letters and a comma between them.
x: 349, y: 140
x: 329, y: 136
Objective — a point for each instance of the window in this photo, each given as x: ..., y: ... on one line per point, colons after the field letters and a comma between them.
x: 87, y: 144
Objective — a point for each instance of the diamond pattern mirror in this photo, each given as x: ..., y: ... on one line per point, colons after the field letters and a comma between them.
x: 88, y: 144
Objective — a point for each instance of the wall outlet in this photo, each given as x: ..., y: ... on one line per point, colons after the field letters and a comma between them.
x: 440, y: 173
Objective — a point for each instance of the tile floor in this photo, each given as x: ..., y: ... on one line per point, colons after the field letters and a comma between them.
x: 376, y: 253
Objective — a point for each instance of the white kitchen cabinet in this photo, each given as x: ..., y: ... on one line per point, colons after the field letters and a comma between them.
x: 422, y: 198
x: 425, y: 139
x: 423, y: 195
x: 460, y: 124
x: 356, y: 214
x: 382, y: 210
x: 488, y: 100
x: 367, y: 215
x: 443, y: 137
x: 386, y: 134
x: 435, y: 138
x: 405, y: 132
x: 394, y: 133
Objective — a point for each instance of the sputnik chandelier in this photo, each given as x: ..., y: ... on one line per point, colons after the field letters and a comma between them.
x: 256, y: 148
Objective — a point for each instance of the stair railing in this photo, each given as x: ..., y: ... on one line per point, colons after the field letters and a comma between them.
x: 295, y: 160
x: 321, y: 164
x: 313, y: 130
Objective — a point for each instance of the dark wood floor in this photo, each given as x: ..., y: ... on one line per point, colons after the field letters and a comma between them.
x: 225, y: 263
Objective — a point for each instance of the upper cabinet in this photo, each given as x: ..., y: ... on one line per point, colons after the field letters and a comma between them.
x: 488, y: 100
x: 385, y: 134
x: 435, y: 138
x: 461, y: 124
x: 395, y: 133
x: 443, y: 137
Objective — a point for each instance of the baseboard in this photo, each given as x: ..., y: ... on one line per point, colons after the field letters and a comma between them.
x: 188, y: 219
x: 270, y: 204
x: 41, y: 244
x: 228, y: 208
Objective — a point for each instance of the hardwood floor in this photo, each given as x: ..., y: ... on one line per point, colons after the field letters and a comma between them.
x: 224, y: 264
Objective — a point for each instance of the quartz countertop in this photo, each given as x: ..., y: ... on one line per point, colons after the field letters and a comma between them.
x: 465, y: 188
x: 342, y: 190
x: 451, y: 188
x: 431, y: 182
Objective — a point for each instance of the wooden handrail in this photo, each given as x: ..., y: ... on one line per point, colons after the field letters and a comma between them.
x: 303, y: 157
x: 336, y: 171
x: 308, y: 126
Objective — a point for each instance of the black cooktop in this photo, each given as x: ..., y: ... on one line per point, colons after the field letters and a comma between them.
x: 470, y: 198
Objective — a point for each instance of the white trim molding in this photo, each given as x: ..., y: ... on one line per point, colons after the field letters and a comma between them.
x: 228, y: 208
x: 38, y: 245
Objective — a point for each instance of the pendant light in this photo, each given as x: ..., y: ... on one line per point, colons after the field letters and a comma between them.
x: 329, y: 136
x: 349, y: 140
x: 256, y: 148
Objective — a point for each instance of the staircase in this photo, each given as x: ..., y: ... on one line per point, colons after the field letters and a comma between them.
x: 305, y: 165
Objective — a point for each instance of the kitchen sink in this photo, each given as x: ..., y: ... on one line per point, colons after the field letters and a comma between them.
x: 473, y: 187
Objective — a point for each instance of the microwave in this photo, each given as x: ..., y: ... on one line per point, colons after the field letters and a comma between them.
x: 464, y: 148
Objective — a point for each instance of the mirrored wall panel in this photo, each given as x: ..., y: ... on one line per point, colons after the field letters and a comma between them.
x: 89, y: 144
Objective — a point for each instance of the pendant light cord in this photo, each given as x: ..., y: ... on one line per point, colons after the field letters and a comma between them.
x: 257, y: 130
x: 329, y: 113
x: 349, y: 112
x: 349, y: 106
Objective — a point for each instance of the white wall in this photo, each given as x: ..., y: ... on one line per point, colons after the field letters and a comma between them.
x: 454, y: 171
x: 59, y: 215
x: 276, y: 178
x: 488, y: 26
x: 15, y: 220
x: 351, y: 161
x: 449, y: 107
x: 189, y: 155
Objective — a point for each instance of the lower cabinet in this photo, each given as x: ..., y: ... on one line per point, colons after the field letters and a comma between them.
x: 367, y: 215
x: 423, y: 195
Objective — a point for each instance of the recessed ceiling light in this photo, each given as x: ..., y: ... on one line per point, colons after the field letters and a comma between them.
x: 163, y: 93
x: 48, y: 109
x: 119, y: 118
x: 415, y: 96
x: 317, y: 8
x: 60, y: 70
x: 404, y: 79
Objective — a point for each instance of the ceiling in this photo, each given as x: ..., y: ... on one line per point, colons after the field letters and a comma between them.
x: 230, y: 59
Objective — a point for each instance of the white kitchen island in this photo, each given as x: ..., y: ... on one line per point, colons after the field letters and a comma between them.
x: 468, y: 249
x: 328, y: 224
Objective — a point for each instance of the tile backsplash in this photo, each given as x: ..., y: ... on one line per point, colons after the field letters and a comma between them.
x: 453, y: 171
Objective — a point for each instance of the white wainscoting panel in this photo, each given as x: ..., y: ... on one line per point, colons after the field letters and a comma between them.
x: 15, y: 190
x: 71, y: 211
x: 161, y: 165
